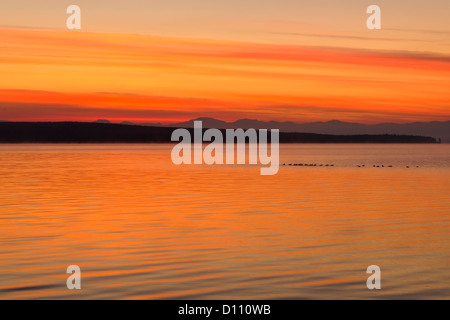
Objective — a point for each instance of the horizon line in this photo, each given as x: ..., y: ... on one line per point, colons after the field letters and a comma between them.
x: 108, y: 121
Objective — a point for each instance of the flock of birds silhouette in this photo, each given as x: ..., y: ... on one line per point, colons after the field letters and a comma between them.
x: 332, y: 165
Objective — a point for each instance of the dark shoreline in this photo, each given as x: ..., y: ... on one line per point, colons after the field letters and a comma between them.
x: 85, y: 132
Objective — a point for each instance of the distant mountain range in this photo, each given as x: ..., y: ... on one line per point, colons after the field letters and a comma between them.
x: 105, y: 132
x: 435, y: 129
x: 439, y: 130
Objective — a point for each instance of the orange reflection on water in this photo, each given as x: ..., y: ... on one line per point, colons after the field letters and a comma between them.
x: 141, y: 227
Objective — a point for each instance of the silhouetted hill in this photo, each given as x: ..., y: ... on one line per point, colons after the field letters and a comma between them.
x: 81, y: 132
x: 433, y: 129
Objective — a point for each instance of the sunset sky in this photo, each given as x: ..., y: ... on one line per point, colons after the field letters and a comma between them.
x: 173, y: 60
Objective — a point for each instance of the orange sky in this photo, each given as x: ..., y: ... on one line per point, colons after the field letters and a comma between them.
x: 61, y: 75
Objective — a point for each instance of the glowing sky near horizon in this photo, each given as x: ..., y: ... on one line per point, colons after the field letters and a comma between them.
x: 167, y: 61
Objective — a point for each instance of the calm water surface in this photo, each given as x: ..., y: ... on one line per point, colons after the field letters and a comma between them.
x: 141, y: 227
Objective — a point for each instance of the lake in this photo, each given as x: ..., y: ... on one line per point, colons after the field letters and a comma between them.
x: 140, y: 227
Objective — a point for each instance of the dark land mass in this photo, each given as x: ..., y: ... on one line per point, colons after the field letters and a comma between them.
x: 102, y: 132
